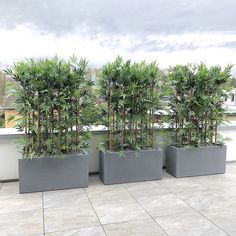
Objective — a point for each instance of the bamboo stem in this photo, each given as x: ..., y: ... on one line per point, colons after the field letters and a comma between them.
x: 109, y: 123
x: 114, y: 128
x: 33, y: 136
x: 205, y: 130
x: 216, y: 126
x: 153, y: 130
x: 153, y: 121
x: 176, y: 129
x: 59, y: 131
x: 26, y: 136
x: 123, y: 128
x: 39, y: 133
x: 211, y: 134
x: 190, y: 120
x: 135, y: 129
x: 78, y: 126
x: 141, y: 123
x: 51, y: 125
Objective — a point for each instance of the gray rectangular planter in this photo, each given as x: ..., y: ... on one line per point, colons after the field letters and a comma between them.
x: 147, y: 165
x: 50, y: 173
x: 183, y: 162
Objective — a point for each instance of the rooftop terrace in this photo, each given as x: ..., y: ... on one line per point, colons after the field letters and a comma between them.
x: 186, y: 206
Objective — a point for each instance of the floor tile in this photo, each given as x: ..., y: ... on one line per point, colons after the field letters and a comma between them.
x: 231, y: 176
x: 94, y: 181
x: 65, y: 198
x: 108, y: 193
x: 231, y: 173
x: 182, y: 185
x: 214, y: 182
x: 172, y: 202
x: 10, y: 188
x: 21, y: 223
x: 211, y: 181
x: 227, y: 192
x: 118, y: 211
x: 203, y: 200
x: 134, y: 228
x: 65, y: 218
x: 166, y: 204
x: 90, y: 231
x: 224, y: 218
x: 147, y: 188
x: 191, y: 225
x: 166, y: 175
x: 19, y: 202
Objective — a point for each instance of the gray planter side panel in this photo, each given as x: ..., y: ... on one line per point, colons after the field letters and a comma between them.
x: 146, y: 166
x: 196, y: 161
x: 43, y: 174
x: 171, y: 161
x: 101, y: 165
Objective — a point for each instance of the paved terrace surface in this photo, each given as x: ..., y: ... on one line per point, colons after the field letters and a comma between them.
x: 188, y: 206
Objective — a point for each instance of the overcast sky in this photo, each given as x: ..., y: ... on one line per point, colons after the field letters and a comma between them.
x: 169, y: 31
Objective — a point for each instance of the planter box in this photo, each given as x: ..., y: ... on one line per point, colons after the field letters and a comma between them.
x: 42, y: 174
x: 181, y: 162
x: 131, y: 168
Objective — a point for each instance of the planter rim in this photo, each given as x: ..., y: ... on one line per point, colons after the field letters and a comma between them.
x: 130, y: 151
x: 55, y: 157
x: 191, y: 148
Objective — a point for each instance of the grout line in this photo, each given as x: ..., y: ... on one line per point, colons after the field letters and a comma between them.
x: 95, y: 213
x: 125, y: 221
x: 145, y: 210
x: 43, y: 214
x: 151, y: 194
x: 71, y: 229
x: 203, y: 215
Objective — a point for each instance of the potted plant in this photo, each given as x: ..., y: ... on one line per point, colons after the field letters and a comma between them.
x: 53, y: 100
x: 131, y: 98
x: 196, y: 102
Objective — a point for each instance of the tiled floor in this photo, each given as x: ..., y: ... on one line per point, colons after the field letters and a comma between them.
x: 188, y: 206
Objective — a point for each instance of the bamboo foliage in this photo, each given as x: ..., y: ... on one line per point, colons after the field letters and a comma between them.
x: 54, y: 99
x: 130, y: 93
x: 196, y: 101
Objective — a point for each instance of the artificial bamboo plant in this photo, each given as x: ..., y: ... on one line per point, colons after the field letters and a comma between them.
x: 197, y: 96
x: 54, y: 101
x: 131, y: 94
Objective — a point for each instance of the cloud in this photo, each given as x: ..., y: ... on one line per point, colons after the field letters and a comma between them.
x: 230, y: 44
x: 168, y: 31
x: 26, y: 41
x: 136, y: 17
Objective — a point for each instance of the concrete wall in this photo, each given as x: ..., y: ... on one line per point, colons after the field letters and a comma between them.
x: 9, y: 153
x: 231, y: 144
